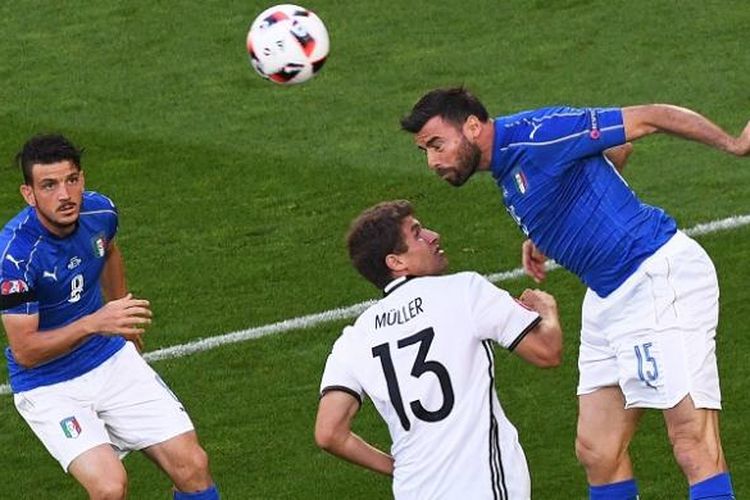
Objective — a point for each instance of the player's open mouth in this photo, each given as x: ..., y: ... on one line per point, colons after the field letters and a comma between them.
x: 67, y: 207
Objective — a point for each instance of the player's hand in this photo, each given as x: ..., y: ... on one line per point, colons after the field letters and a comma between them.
x: 126, y: 317
x: 533, y: 261
x: 541, y: 302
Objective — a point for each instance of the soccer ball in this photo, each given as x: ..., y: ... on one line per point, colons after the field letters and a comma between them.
x: 287, y: 44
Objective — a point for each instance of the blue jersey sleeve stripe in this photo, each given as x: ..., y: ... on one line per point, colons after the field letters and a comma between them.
x: 94, y: 212
x: 31, y: 258
x: 561, y: 139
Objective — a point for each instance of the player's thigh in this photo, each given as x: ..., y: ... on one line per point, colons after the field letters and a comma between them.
x: 100, y: 472
x: 138, y: 407
x: 604, y: 425
x: 66, y: 426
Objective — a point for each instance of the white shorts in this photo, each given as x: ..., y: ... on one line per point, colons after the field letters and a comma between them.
x: 122, y: 402
x: 655, y: 335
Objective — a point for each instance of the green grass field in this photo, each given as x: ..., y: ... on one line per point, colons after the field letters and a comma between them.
x: 235, y: 195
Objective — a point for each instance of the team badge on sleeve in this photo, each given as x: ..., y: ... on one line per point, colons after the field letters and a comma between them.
x: 70, y: 427
x: 10, y: 287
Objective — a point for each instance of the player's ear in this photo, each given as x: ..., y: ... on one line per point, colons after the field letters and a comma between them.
x: 472, y: 127
x: 395, y: 263
x: 28, y: 194
x: 82, y: 178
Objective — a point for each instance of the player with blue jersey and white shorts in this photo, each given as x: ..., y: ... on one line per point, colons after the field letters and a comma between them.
x: 79, y: 383
x: 651, y: 310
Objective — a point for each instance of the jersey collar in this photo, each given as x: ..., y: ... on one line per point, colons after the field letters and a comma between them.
x: 390, y: 287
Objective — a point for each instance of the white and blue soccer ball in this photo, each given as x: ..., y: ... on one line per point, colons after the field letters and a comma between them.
x: 287, y: 44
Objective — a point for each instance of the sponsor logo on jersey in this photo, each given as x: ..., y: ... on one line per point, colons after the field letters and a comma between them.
x: 50, y: 274
x: 74, y: 262
x: 70, y: 427
x: 9, y: 287
x: 522, y: 183
x: 15, y: 261
x: 100, y: 245
x: 534, y: 129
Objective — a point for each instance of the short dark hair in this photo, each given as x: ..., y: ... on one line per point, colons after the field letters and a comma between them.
x: 46, y: 149
x: 453, y: 105
x: 373, y: 235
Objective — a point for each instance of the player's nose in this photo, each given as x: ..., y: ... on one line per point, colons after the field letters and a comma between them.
x: 430, y: 236
x: 62, y: 192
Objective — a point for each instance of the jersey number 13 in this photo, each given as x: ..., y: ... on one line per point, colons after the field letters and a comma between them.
x: 420, y: 366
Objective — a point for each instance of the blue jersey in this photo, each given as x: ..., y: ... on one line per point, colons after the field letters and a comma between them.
x: 569, y: 199
x: 58, y: 279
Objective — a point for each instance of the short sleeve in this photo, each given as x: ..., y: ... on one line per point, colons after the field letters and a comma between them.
x: 17, y: 294
x: 105, y: 211
x: 337, y: 376
x: 497, y: 315
x: 574, y: 133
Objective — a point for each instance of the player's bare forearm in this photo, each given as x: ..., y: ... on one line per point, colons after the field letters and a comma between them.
x: 336, y: 411
x: 651, y: 118
x: 114, y: 285
x: 357, y: 451
x: 31, y: 347
x: 112, y: 279
x: 543, y: 345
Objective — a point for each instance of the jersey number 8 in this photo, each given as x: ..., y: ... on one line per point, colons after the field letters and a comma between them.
x: 76, y: 288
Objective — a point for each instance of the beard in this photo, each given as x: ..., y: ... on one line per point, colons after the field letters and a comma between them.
x: 57, y: 223
x: 469, y: 156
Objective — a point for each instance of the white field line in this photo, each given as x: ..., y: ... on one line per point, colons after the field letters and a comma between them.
x: 352, y: 311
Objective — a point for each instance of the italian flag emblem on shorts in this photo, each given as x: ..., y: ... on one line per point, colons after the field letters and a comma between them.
x: 70, y: 427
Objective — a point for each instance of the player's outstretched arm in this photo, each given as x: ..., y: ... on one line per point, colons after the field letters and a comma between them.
x: 542, y: 346
x: 333, y: 433
x: 31, y: 347
x: 651, y: 118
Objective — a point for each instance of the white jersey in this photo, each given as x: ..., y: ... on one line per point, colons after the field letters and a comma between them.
x: 424, y: 355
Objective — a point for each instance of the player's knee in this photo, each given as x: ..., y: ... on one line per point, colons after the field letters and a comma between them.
x: 192, y: 470
x: 585, y: 451
x: 112, y: 488
x: 693, y: 453
x: 597, y: 455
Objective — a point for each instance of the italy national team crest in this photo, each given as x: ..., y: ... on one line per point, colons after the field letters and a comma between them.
x: 100, y: 245
x: 70, y: 427
x: 520, y: 179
